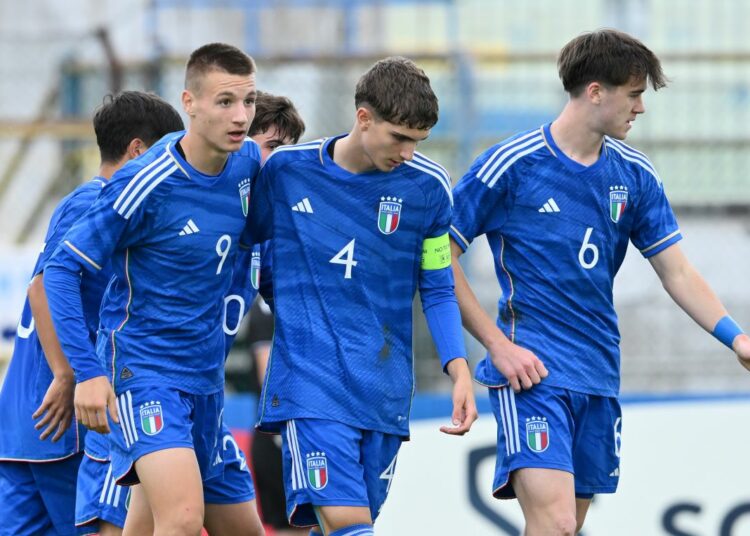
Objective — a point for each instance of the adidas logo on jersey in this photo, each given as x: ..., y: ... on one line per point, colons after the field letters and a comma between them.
x: 303, y: 206
x: 550, y: 206
x: 190, y: 228
x: 616, y: 472
x: 126, y: 373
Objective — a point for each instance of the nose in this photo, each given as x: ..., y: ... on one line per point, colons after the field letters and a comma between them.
x: 407, y: 151
x: 639, y: 108
x: 240, y: 114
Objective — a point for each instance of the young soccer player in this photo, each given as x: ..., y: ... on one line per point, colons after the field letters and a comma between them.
x: 276, y: 123
x: 38, y: 477
x: 357, y: 223
x: 170, y: 224
x: 558, y: 205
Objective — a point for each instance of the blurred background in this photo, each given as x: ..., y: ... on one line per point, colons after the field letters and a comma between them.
x: 492, y: 64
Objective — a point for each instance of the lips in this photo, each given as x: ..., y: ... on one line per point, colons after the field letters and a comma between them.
x: 237, y: 135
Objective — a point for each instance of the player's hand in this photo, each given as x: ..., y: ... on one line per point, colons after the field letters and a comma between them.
x: 741, y: 347
x: 521, y: 367
x: 464, y: 405
x: 92, y: 399
x: 56, y: 408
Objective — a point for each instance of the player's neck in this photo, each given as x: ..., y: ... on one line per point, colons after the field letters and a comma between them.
x: 574, y: 136
x: 202, y: 157
x: 107, y: 169
x: 349, y: 155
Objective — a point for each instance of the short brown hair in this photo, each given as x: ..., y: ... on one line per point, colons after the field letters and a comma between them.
x: 277, y: 111
x: 610, y: 57
x: 132, y: 114
x: 216, y: 57
x: 399, y: 92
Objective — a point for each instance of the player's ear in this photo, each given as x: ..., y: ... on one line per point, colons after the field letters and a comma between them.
x: 188, y: 101
x: 136, y: 148
x: 364, y: 118
x: 594, y: 92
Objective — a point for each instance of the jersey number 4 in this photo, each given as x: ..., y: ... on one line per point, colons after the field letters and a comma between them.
x: 346, y: 257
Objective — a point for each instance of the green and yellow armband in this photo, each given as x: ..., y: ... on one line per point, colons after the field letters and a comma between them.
x: 436, y: 253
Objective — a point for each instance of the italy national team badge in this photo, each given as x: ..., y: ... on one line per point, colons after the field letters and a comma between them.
x: 537, y: 434
x: 255, y: 270
x: 245, y: 195
x: 389, y: 214
x: 317, y: 470
x: 618, y: 200
x: 152, y: 420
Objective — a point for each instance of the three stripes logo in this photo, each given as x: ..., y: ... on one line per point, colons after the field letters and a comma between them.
x: 549, y: 207
x: 190, y: 228
x: 303, y: 206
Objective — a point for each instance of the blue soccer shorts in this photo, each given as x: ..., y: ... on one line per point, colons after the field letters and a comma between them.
x: 98, y: 497
x: 153, y: 419
x: 39, y: 498
x: 326, y: 463
x: 553, y: 428
x: 235, y: 483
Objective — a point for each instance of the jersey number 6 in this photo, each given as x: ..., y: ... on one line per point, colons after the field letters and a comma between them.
x: 588, y: 246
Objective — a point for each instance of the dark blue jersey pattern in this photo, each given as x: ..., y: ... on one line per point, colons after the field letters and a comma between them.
x: 172, y: 234
x: 559, y: 231
x: 29, y: 375
x: 347, y: 258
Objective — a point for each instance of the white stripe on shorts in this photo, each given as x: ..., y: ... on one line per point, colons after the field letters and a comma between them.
x: 509, y: 416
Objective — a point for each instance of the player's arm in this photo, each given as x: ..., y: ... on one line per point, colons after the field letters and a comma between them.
x: 56, y: 408
x: 692, y: 293
x: 93, y: 392
x: 444, y: 321
x: 521, y: 367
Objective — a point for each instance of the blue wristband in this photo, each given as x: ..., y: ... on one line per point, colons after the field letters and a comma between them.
x: 726, y: 330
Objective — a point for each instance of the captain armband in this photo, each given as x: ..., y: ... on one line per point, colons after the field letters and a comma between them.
x: 436, y: 253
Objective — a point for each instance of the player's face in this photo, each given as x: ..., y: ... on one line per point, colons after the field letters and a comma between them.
x: 619, y: 107
x: 269, y: 141
x: 387, y: 145
x: 221, y: 109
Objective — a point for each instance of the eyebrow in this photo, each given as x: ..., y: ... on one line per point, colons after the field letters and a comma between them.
x: 405, y: 137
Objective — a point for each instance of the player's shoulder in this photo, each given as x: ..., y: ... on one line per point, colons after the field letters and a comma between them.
x: 631, y: 159
x: 430, y: 173
x: 511, y: 153
x: 250, y: 149
x: 294, y: 153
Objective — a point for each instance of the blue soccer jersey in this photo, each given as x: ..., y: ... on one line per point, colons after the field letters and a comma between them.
x: 172, y: 233
x: 28, y: 375
x: 346, y: 262
x: 559, y: 231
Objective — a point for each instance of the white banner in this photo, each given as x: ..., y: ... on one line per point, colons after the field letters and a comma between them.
x: 684, y: 472
x: 16, y: 265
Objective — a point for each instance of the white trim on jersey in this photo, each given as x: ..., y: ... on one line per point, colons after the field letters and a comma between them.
x: 423, y: 160
x: 509, y: 418
x: 148, y: 190
x: 462, y: 237
x: 660, y: 242
x: 500, y: 150
x: 139, y: 181
x: 444, y: 180
x: 632, y: 155
x: 82, y: 255
x: 298, y: 473
x: 512, y: 157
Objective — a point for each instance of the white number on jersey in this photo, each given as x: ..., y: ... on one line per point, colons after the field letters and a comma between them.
x: 222, y: 250
x: 227, y: 300
x: 588, y: 246
x: 346, y: 257
x: 25, y: 331
x: 618, y: 436
x: 389, y: 472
